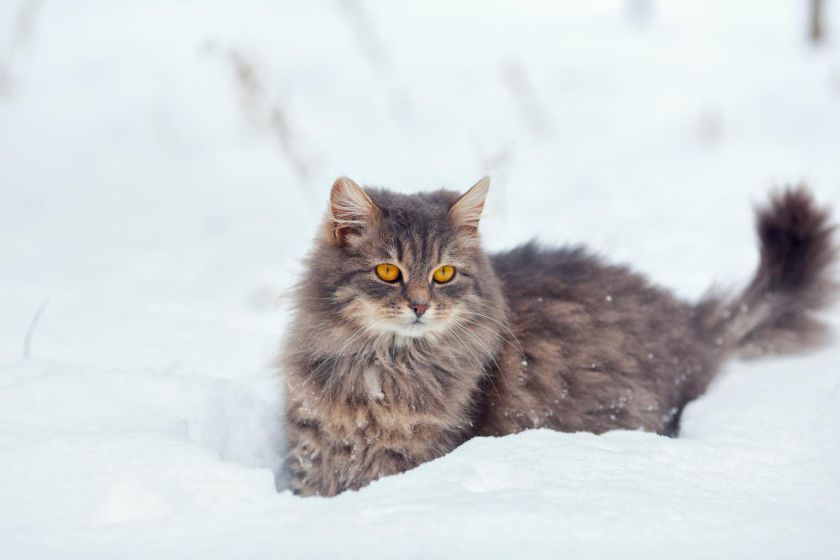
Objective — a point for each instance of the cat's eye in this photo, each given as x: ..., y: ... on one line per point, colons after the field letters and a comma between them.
x: 387, y: 272
x: 444, y: 274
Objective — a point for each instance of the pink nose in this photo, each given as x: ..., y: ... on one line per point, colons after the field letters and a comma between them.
x: 419, y: 308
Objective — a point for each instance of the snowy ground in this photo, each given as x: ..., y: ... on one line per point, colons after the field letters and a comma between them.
x: 162, y: 169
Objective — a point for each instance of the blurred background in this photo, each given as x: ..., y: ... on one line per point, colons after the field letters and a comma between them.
x: 164, y: 165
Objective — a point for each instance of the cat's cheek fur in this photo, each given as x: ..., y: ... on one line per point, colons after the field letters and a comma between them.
x: 362, y: 312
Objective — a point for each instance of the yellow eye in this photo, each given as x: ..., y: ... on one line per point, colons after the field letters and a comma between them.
x: 388, y: 272
x: 444, y: 274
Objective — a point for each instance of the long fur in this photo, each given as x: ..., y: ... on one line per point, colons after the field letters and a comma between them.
x: 532, y: 337
x: 776, y: 312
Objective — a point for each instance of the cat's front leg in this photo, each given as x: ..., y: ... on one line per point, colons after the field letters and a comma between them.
x: 309, y: 459
x: 312, y: 470
x: 382, y: 462
x: 321, y: 467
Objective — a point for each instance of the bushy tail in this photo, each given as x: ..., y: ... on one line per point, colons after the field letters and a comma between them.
x: 775, y: 313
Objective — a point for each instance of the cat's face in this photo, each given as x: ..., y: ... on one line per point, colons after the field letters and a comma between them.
x: 408, y: 265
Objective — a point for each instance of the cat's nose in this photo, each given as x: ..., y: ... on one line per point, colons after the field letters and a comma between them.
x: 419, y: 307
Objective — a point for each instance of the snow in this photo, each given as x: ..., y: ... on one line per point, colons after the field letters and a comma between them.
x: 163, y: 167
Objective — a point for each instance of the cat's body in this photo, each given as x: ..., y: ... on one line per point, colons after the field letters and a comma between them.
x: 625, y: 353
x: 528, y: 338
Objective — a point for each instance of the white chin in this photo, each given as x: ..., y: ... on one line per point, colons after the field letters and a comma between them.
x: 411, y: 330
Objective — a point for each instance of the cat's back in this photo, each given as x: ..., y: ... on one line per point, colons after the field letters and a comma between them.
x: 592, y: 346
x: 530, y: 274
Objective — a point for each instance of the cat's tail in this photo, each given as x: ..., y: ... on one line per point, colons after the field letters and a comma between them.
x: 776, y: 312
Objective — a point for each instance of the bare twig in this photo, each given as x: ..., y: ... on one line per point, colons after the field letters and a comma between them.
x: 25, y: 20
x: 27, y: 340
x: 366, y: 35
x: 816, y: 29
x: 269, y: 116
x: 496, y: 163
x: 21, y: 36
x: 284, y: 134
x: 378, y: 55
x: 250, y: 88
x: 525, y: 96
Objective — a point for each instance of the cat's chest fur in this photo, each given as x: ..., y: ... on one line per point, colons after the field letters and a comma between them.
x: 392, y: 395
x: 379, y: 411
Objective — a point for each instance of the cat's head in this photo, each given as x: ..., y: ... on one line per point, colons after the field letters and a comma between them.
x: 408, y: 265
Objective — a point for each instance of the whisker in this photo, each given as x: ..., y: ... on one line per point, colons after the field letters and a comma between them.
x: 501, y: 324
x: 462, y: 341
x: 515, y: 344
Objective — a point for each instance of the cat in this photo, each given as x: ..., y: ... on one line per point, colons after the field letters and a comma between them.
x: 408, y: 339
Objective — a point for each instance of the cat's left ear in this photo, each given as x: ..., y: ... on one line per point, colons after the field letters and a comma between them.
x: 466, y: 212
x: 351, y: 209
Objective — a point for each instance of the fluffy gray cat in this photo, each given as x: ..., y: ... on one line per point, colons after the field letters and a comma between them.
x: 409, y: 339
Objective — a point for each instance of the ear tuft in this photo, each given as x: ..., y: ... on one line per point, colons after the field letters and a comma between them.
x: 466, y: 212
x: 351, y: 209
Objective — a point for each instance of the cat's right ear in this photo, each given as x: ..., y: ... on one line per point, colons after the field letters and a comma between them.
x: 351, y: 209
x: 466, y: 211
